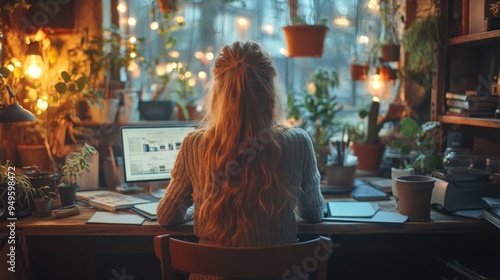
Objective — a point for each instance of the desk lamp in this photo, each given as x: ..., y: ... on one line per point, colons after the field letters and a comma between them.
x: 14, y: 112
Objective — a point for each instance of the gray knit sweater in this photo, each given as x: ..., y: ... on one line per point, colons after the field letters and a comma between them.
x: 298, y: 162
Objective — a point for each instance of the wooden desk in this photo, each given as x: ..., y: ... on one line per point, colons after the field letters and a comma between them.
x: 76, y: 226
x: 99, y: 251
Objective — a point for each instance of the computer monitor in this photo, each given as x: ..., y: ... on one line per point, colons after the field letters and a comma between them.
x: 149, y: 152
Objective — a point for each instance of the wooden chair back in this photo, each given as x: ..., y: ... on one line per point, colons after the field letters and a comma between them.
x: 244, y: 262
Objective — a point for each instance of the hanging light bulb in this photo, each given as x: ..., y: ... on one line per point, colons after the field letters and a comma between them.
x: 33, y: 65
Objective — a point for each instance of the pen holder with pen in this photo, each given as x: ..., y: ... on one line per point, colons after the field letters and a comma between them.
x: 342, y: 169
x: 340, y: 175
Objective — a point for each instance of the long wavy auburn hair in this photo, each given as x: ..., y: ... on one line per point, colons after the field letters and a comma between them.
x: 242, y: 151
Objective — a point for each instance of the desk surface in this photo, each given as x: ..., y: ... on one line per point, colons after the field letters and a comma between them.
x: 77, y: 226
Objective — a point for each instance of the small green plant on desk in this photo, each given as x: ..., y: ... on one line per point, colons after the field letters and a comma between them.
x: 418, y: 139
x: 75, y: 164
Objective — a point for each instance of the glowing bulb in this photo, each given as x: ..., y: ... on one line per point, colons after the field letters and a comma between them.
x: 202, y: 75
x: 198, y: 55
x: 342, y: 21
x: 188, y: 74
x: 268, y: 29
x: 209, y: 55
x: 363, y: 39
x: 243, y: 22
x: 283, y: 51
x: 174, y: 54
x: 154, y: 25
x: 373, y: 5
x: 192, y: 82
x: 160, y: 70
x: 42, y: 104
x: 170, y: 67
x: 11, y: 67
x: 179, y: 19
x: 33, y: 66
x: 179, y: 65
x: 133, y: 55
x: 132, y: 21
x: 121, y: 8
x: 376, y: 99
x: 132, y: 39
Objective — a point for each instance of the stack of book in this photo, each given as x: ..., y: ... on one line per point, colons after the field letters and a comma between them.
x: 471, y: 104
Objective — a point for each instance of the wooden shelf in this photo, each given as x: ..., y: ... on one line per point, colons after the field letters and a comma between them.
x: 481, y: 122
x: 488, y: 37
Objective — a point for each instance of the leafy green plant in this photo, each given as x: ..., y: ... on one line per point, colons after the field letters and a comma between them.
x: 45, y: 193
x: 420, y: 41
x: 420, y: 139
x: 295, y: 19
x: 75, y: 164
x: 315, y: 110
x: 16, y: 183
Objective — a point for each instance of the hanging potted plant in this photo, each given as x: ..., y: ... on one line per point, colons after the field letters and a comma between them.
x: 302, y: 39
x: 391, y: 19
x: 75, y: 164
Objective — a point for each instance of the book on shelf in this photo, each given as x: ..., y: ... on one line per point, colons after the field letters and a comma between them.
x: 110, y: 201
x: 472, y: 97
x: 472, y: 105
x: 460, y: 112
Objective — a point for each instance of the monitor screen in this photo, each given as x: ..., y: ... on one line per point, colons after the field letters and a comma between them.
x: 149, y: 152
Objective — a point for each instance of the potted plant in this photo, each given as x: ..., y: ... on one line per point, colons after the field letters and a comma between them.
x: 302, y: 39
x: 187, y: 102
x: 414, y: 148
x: 366, y: 144
x: 493, y: 22
x: 391, y: 21
x: 420, y: 40
x: 75, y: 164
x: 315, y: 111
x: 43, y: 201
x: 32, y: 146
x: 14, y: 184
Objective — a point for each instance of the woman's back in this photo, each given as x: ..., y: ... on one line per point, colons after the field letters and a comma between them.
x: 246, y: 175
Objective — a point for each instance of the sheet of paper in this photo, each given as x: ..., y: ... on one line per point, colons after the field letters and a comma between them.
x: 352, y: 209
x: 115, y: 218
x: 379, y: 217
x: 149, y: 208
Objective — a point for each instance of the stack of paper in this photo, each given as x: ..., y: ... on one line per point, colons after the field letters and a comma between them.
x: 354, y: 211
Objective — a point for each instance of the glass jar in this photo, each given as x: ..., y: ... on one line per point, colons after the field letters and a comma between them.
x: 457, y: 160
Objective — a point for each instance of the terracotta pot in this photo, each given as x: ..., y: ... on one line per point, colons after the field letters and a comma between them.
x: 387, y: 73
x: 305, y: 40
x: 340, y: 175
x: 414, y: 196
x: 167, y: 5
x: 369, y: 155
x: 34, y: 155
x: 192, y: 113
x: 397, y: 172
x: 359, y: 72
x: 390, y: 52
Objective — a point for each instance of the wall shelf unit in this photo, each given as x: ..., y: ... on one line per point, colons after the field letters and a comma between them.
x: 466, y: 62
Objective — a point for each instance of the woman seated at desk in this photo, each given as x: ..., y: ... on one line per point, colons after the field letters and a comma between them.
x: 246, y: 174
